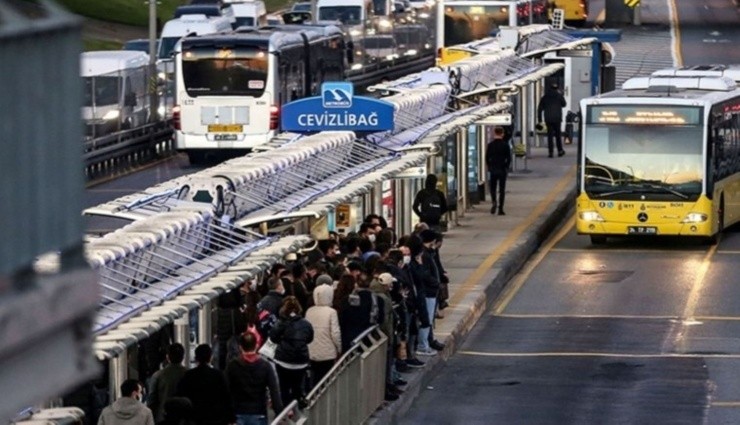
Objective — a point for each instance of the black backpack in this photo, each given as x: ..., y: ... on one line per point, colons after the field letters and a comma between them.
x: 431, y: 206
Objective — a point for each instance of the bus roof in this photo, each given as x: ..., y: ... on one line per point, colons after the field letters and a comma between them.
x: 109, y: 61
x: 674, y: 90
x: 274, y: 37
x: 731, y: 71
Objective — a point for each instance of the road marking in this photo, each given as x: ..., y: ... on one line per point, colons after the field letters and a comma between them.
x: 601, y: 17
x: 615, y: 316
x: 529, y: 267
x: 513, y: 238
x: 619, y: 250
x: 725, y: 404
x: 701, y: 274
x: 605, y: 355
x: 675, y: 34
x: 728, y: 252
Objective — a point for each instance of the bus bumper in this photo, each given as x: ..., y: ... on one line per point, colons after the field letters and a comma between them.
x: 188, y: 141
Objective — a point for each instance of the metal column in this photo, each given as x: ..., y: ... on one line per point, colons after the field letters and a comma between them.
x: 205, y: 329
x: 117, y: 373
x: 462, y: 172
x: 182, y: 335
x: 377, y: 199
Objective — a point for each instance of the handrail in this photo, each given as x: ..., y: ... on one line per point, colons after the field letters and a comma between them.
x: 293, y: 414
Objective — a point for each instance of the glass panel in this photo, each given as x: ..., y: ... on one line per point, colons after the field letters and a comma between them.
x: 101, y: 91
x: 224, y: 72
x: 628, y: 159
x: 348, y: 15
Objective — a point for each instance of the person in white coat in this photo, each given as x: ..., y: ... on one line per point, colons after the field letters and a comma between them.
x: 327, y: 341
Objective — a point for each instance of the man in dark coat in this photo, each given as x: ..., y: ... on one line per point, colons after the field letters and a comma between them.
x: 164, y: 383
x: 498, y: 160
x: 551, y: 108
x: 430, y: 203
x: 206, y: 389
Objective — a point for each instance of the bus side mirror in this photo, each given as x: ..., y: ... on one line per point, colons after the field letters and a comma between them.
x: 130, y: 99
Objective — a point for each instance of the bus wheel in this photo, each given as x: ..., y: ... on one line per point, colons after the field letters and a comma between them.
x: 598, y: 240
x: 195, y: 157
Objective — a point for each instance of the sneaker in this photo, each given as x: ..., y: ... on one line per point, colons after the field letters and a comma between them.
x: 501, y: 212
x: 436, y: 345
x: 493, y: 209
x: 400, y: 382
x: 561, y: 153
x: 443, y: 305
x: 439, y: 315
x: 426, y: 352
x: 549, y: 155
x: 414, y: 363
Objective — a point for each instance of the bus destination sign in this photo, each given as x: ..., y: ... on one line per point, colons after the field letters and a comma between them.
x: 644, y: 115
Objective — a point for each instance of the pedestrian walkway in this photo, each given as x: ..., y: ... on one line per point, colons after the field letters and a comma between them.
x: 484, y: 251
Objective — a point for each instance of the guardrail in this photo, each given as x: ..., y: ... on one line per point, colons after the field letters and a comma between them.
x: 351, y: 391
x: 109, y: 154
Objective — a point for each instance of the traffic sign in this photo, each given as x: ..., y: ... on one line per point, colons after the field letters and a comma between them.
x: 632, y: 3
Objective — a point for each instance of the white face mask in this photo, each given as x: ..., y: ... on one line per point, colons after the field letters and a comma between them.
x: 337, y: 252
x: 406, y: 259
x: 371, y: 237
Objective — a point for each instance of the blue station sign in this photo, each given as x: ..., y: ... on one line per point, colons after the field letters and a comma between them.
x: 337, y: 109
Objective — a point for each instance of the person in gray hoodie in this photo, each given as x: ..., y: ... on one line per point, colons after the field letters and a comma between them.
x: 127, y: 410
x: 327, y: 342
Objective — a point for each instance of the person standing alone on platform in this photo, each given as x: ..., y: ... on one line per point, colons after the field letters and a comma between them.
x: 551, y: 108
x: 430, y: 203
x: 498, y: 160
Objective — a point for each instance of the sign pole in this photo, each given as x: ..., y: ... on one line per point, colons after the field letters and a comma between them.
x: 636, y: 17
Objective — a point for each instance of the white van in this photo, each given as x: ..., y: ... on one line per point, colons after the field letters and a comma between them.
x: 116, y: 96
x: 176, y: 29
x: 249, y: 13
x: 354, y: 15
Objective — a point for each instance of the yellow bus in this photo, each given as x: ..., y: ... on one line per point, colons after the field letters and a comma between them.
x: 661, y: 156
x: 575, y: 11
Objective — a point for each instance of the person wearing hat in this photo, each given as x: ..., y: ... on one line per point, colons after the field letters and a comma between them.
x: 551, y: 109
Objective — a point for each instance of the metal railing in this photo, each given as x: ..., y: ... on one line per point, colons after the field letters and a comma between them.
x: 351, y: 391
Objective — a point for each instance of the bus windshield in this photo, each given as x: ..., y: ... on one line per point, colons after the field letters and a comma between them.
x: 235, y: 71
x: 166, y: 46
x: 348, y: 15
x: 624, y: 159
x: 101, y: 91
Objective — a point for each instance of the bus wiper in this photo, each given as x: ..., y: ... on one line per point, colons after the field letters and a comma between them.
x: 614, y: 192
x: 663, y: 188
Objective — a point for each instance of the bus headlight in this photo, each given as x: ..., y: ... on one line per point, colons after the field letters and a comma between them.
x: 112, y: 115
x: 695, y: 218
x: 590, y: 216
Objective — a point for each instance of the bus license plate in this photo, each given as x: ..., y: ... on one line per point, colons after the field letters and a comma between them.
x: 224, y: 128
x: 642, y: 230
x: 224, y: 137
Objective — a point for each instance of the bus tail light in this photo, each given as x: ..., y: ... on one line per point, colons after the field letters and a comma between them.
x: 176, y: 117
x: 274, y: 117
x: 590, y: 216
x: 695, y: 218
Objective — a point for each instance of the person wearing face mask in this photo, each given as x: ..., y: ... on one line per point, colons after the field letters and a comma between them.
x: 127, y: 410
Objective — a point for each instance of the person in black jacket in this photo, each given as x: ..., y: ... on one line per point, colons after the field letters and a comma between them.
x: 498, y: 160
x: 292, y: 334
x: 207, y: 390
x: 430, y: 203
x: 427, y: 287
x: 551, y: 109
x: 250, y: 377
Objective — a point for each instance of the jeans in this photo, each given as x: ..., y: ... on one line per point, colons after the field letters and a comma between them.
x: 431, y: 309
x: 251, y: 420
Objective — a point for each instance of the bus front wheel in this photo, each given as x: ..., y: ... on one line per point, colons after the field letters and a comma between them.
x: 598, y: 240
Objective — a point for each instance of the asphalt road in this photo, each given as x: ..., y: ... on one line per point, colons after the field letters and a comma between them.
x: 634, y: 332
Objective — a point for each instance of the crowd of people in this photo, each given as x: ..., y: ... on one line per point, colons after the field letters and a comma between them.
x: 278, y: 337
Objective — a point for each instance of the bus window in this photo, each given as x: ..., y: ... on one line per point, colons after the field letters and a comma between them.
x: 348, y: 15
x: 238, y: 71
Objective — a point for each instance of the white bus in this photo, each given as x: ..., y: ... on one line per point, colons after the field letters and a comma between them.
x: 230, y: 87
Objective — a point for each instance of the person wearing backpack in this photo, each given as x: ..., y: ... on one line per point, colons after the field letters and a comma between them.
x: 430, y: 203
x: 360, y: 311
